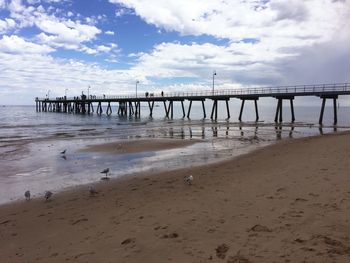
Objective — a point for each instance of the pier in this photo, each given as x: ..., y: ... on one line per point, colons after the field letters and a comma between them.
x: 130, y: 105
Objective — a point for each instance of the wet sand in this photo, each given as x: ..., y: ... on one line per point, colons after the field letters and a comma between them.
x: 134, y: 146
x: 288, y: 202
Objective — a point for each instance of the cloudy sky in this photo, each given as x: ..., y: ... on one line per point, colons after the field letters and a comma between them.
x: 168, y: 45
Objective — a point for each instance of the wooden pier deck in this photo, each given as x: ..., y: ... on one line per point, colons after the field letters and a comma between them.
x: 130, y: 105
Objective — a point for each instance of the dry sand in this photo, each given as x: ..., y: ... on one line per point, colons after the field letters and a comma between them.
x: 288, y: 202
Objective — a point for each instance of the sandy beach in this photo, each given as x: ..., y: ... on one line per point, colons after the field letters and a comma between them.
x: 138, y: 146
x: 288, y: 202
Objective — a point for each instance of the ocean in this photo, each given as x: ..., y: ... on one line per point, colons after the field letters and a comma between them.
x: 31, y: 142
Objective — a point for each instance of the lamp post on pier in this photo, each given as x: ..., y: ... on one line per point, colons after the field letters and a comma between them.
x: 214, y: 74
x: 88, y: 91
x: 137, y: 82
x: 48, y: 94
x: 65, y: 93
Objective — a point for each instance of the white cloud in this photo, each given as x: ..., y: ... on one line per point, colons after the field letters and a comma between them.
x: 16, y: 45
x: 103, y: 48
x: 2, y: 4
x: 111, y: 33
x: 6, y: 25
x: 123, y: 11
x: 264, y: 38
x: 56, y: 31
x: 33, y: 2
x: 31, y: 74
x: 171, y: 60
x: 280, y: 23
x: 67, y: 31
x: 237, y: 20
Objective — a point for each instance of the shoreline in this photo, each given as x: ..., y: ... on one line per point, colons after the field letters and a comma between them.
x: 285, y: 202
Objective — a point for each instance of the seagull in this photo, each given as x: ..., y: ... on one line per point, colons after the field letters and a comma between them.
x: 188, y: 179
x: 48, y: 195
x: 27, y: 195
x: 105, y: 171
x: 63, y: 152
x: 92, y: 191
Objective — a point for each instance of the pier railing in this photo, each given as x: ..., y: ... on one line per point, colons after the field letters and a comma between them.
x: 289, y: 90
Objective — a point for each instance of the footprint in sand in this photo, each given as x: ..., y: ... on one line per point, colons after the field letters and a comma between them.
x: 238, y: 259
x: 79, y: 221
x: 172, y: 235
x: 221, y: 251
x: 5, y: 222
x: 128, y: 241
x: 259, y: 228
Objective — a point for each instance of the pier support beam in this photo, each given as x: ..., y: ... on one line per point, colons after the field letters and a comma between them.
x: 171, y: 109
x: 228, y: 110
x: 203, y: 107
x: 335, y: 111
x: 334, y: 97
x: 166, y: 109
x: 109, y: 109
x: 83, y: 109
x: 99, y: 108
x: 255, y: 99
x: 137, y: 108
x: 292, y: 110
x: 279, y: 109
x: 151, y: 105
x: 123, y: 108
x: 214, y: 110
x: 256, y: 110
x: 131, y: 108
x: 241, y: 111
x: 189, y: 109
x: 183, y: 109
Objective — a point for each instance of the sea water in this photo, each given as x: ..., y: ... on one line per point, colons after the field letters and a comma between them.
x: 31, y: 142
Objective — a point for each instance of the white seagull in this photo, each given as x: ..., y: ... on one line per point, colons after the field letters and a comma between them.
x: 105, y: 171
x: 188, y: 179
x: 27, y: 195
x: 63, y: 152
x: 48, y: 195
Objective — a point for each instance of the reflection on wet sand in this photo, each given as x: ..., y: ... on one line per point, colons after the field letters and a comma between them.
x: 234, y: 130
x: 320, y: 128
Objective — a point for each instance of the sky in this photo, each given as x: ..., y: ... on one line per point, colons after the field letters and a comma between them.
x: 66, y: 46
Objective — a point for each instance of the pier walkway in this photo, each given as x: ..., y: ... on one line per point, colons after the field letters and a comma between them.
x: 130, y: 105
